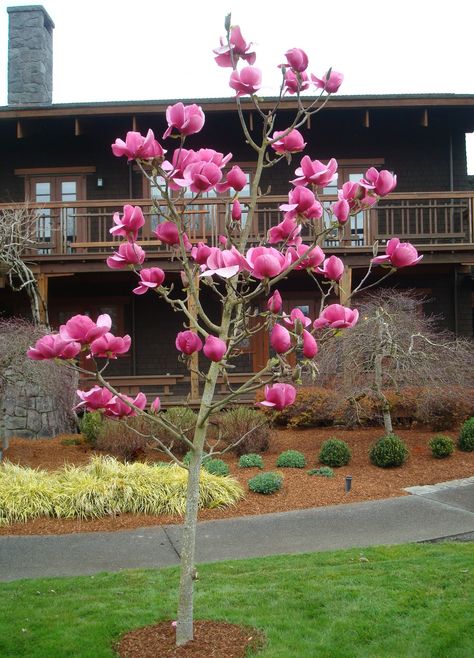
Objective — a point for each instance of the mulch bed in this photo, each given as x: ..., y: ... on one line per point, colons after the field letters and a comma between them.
x: 299, y: 489
x: 212, y: 639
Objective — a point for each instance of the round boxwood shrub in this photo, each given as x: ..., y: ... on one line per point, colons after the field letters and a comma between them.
x: 466, y: 436
x: 441, y: 446
x: 215, y: 466
x: 323, y: 471
x: 291, y: 459
x: 252, y: 460
x: 388, y: 451
x: 335, y: 452
x: 266, y: 483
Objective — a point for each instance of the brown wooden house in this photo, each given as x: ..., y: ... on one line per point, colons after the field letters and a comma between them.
x: 57, y: 158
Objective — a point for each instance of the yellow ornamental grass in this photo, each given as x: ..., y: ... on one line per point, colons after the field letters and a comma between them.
x: 105, y: 487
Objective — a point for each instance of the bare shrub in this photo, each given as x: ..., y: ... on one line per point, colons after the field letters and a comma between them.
x: 124, y: 440
x: 230, y: 426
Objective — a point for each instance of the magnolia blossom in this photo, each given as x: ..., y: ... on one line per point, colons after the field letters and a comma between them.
x: 130, y: 223
x: 314, y: 172
x: 279, y: 396
x: 341, y: 210
x: 108, y: 346
x: 53, y: 346
x: 212, y: 156
x: 129, y: 253
x: 246, y: 81
x: 275, y: 302
x: 82, y: 329
x: 398, y: 254
x: 332, y: 268
x: 181, y: 159
x: 168, y: 233
x: 280, y: 339
x: 286, y: 231
x: 228, y: 53
x: 330, y: 82
x: 120, y: 407
x: 381, y: 182
x: 297, y: 59
x: 236, y: 213
x: 266, y: 262
x: 293, y: 142
x: 155, y: 406
x: 137, y: 147
x: 235, y: 179
x: 224, y: 262
x: 96, y: 398
x: 188, y: 342
x: 314, y: 257
x: 297, y: 320
x: 214, y: 348
x: 200, y: 176
x: 201, y: 253
x: 303, y: 203
x: 295, y: 82
x: 356, y: 196
x: 310, y: 346
x: 336, y: 316
x: 150, y: 277
x: 187, y: 119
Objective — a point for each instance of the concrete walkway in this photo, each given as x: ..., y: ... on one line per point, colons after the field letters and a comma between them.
x: 431, y: 513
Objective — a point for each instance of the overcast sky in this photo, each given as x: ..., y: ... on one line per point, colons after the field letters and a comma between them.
x: 142, y: 49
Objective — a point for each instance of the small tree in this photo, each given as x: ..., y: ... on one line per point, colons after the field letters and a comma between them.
x: 237, y: 273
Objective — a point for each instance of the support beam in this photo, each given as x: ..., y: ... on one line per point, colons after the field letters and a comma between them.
x: 77, y: 128
x: 345, y: 286
x: 42, y: 280
x: 134, y: 124
x: 425, y: 119
x: 367, y: 119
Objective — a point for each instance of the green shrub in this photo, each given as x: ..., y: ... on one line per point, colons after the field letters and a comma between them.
x: 251, y: 460
x: 266, y: 483
x: 71, y: 442
x: 323, y: 471
x: 291, y: 459
x: 441, y: 446
x: 231, y: 425
x: 215, y: 466
x: 91, y: 425
x: 335, y: 452
x: 388, y: 451
x: 466, y: 436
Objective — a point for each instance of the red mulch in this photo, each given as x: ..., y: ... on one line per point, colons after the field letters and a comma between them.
x: 212, y: 639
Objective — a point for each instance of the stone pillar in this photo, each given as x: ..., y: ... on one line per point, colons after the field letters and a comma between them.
x: 30, y: 56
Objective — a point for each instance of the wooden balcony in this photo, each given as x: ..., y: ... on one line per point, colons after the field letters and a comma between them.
x: 82, y: 228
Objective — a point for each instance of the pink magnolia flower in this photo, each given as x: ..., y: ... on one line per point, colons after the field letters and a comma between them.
x: 200, y: 176
x: 119, y: 407
x: 108, y: 346
x: 295, y: 82
x: 297, y: 320
x: 53, y: 346
x: 314, y: 258
x: 213, y: 157
x: 129, y: 253
x: 293, y: 142
x: 246, y: 81
x: 94, y: 399
x: 266, y: 262
x: 236, y: 213
x: 83, y: 330
x: 336, y: 316
x: 155, y: 406
x: 235, y: 179
x: 137, y: 147
x: 150, y: 277
x: 279, y: 396
x: 310, y: 346
x: 275, y: 303
x: 201, y: 253
x: 333, y: 268
x: 398, y: 254
x: 297, y: 59
x: 129, y: 225
x: 356, y: 196
x: 181, y: 159
x: 188, y: 342
x: 381, y: 182
x: 286, y: 231
x: 280, y: 339
x: 330, y: 82
x: 341, y: 210
x: 187, y: 119
x: 228, y: 53
x: 314, y: 172
x: 214, y: 348
x: 224, y: 262
x: 168, y: 233
x: 303, y: 203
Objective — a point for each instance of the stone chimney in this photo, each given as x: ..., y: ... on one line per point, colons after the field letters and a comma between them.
x: 30, y: 56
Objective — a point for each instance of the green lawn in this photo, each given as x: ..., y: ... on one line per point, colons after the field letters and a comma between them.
x: 402, y: 601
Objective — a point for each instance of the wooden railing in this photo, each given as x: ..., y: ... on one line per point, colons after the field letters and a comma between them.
x: 83, y: 227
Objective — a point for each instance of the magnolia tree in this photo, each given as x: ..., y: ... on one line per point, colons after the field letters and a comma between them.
x: 238, y: 273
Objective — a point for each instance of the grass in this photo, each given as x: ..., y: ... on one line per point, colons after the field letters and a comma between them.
x: 412, y: 601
